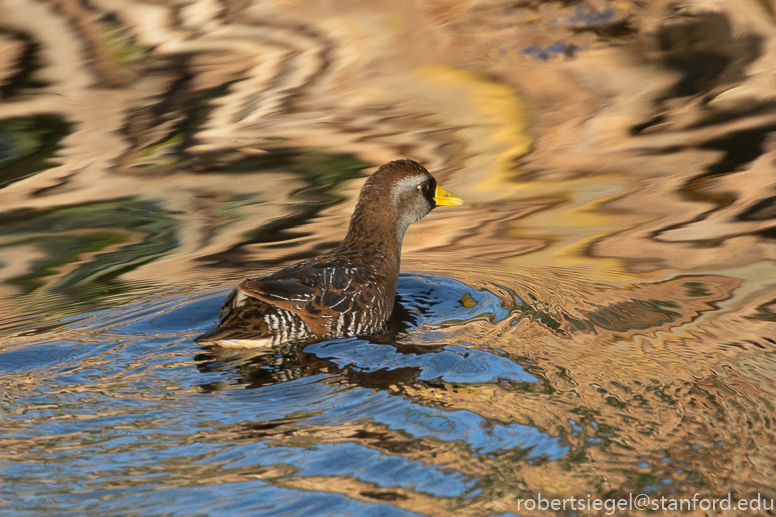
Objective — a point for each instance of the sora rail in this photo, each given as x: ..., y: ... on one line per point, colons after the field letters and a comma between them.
x: 350, y: 290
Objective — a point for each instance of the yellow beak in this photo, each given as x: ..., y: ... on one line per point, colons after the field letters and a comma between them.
x: 445, y: 198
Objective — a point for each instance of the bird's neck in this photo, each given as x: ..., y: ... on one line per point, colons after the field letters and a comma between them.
x: 374, y: 237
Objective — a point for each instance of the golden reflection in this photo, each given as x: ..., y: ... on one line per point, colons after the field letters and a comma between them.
x: 502, y: 117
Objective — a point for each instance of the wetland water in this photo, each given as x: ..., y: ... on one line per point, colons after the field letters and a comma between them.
x: 599, y: 318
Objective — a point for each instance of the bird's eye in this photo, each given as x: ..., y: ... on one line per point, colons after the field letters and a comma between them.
x: 423, y: 187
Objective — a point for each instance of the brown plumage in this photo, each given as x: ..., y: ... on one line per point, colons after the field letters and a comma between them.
x: 350, y: 290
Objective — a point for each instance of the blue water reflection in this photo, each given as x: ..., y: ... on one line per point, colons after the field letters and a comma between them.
x: 452, y: 364
x: 120, y: 412
x: 436, y: 300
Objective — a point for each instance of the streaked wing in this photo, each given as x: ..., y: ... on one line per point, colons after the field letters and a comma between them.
x: 286, y: 293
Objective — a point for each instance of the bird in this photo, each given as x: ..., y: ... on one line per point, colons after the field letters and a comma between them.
x: 350, y: 290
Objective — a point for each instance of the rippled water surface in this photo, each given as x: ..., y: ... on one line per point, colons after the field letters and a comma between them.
x: 599, y: 318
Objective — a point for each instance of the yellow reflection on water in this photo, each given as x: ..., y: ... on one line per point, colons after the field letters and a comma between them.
x: 503, y: 117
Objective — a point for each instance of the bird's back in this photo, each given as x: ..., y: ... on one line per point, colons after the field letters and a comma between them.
x: 326, y: 297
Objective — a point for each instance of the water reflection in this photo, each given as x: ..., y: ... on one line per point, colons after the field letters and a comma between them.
x: 597, y: 319
x: 28, y: 144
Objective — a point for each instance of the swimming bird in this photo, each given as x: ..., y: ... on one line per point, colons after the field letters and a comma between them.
x: 348, y: 291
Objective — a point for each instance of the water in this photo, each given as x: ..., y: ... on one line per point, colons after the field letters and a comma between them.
x: 597, y: 319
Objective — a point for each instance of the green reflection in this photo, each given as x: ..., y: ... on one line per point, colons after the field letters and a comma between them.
x: 87, y: 247
x: 323, y: 173
x: 28, y: 144
x: 120, y: 44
